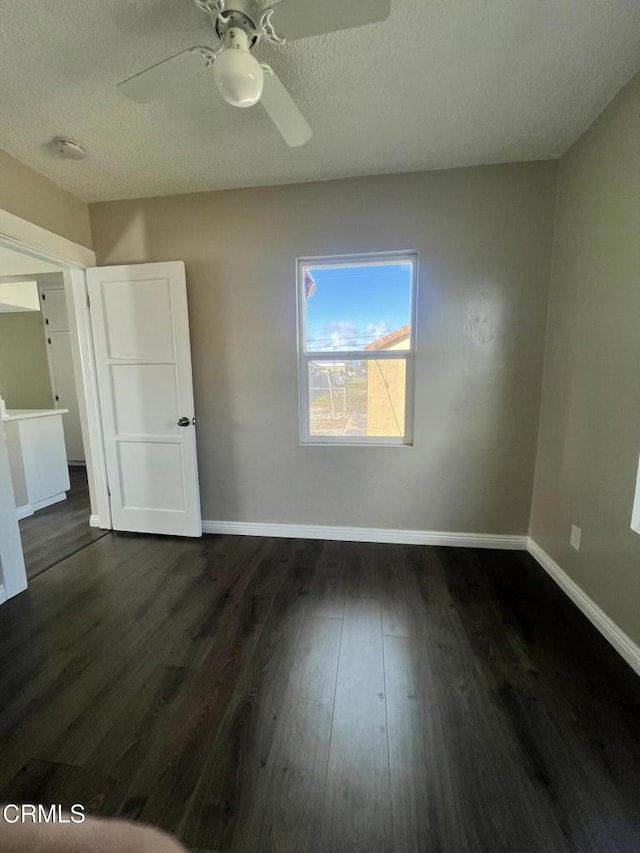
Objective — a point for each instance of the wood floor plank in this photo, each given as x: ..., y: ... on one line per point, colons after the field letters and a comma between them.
x: 48, y: 783
x: 328, y: 583
x: 363, y: 574
x: 415, y: 824
x: 169, y: 753
x: 289, y: 785
x: 357, y: 805
x: 401, y: 566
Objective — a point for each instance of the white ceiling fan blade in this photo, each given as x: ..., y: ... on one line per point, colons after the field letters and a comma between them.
x: 161, y: 78
x: 283, y: 111
x: 298, y: 19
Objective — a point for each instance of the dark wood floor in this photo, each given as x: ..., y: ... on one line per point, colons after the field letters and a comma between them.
x: 280, y: 695
x: 56, y: 532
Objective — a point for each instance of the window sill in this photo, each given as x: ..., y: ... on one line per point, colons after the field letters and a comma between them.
x: 355, y: 444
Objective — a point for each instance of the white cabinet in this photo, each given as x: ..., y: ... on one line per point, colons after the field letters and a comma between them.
x: 37, y: 458
x: 13, y: 578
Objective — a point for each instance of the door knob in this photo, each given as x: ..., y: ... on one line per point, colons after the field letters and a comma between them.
x: 183, y: 421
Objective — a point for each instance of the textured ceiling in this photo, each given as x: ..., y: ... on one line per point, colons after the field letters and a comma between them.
x: 442, y: 83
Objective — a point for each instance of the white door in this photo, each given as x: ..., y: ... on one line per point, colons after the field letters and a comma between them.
x: 143, y: 360
x: 63, y: 383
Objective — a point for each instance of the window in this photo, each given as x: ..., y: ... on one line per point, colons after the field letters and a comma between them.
x: 356, y: 345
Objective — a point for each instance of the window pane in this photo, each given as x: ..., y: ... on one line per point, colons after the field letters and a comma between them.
x: 357, y: 398
x: 357, y: 307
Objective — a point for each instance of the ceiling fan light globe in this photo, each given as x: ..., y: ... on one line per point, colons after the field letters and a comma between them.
x: 239, y: 77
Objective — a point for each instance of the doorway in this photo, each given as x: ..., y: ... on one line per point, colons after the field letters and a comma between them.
x: 128, y: 332
x: 35, y: 244
x: 41, y: 413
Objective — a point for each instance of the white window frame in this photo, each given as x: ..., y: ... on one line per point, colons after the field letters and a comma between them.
x: 305, y: 356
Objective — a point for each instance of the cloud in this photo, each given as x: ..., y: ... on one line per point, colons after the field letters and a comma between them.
x: 344, y: 335
x: 339, y: 335
x: 377, y: 330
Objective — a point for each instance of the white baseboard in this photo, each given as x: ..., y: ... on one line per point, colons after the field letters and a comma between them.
x: 623, y: 644
x: 94, y: 521
x: 3, y: 594
x: 28, y: 509
x: 367, y: 534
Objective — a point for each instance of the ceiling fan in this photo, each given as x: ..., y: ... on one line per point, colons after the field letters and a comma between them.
x: 241, y: 80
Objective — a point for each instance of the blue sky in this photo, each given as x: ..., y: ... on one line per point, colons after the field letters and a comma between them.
x: 353, y: 306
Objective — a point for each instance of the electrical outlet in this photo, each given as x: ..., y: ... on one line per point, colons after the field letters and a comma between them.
x: 576, y: 537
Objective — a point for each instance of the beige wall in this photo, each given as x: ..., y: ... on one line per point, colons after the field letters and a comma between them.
x: 483, y: 237
x: 33, y: 197
x: 24, y: 374
x: 590, y: 424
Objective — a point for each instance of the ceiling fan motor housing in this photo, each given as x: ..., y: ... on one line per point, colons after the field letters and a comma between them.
x: 236, y: 20
x: 246, y: 14
x: 253, y: 16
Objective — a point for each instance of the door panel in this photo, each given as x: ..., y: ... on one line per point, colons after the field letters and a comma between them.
x: 143, y: 359
x: 127, y: 337
x: 151, y: 476
x: 145, y: 399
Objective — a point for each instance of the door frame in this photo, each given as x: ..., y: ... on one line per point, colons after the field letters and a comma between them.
x: 73, y: 259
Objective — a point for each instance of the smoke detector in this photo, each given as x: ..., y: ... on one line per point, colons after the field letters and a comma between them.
x: 69, y: 149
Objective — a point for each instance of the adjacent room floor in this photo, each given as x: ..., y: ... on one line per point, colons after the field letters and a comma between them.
x: 51, y: 534
x: 258, y: 694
